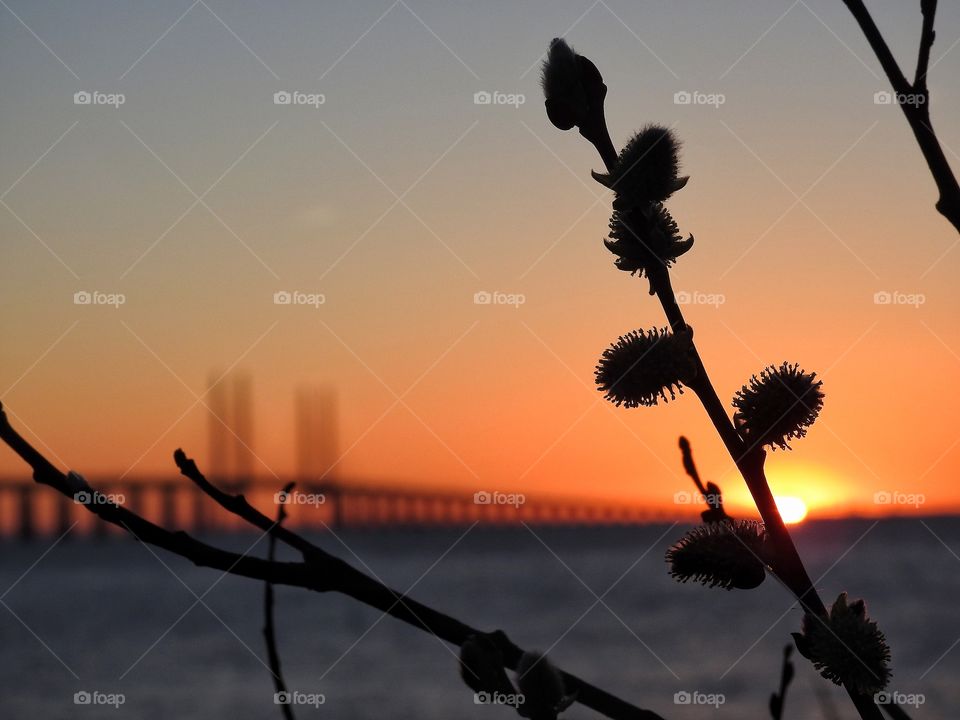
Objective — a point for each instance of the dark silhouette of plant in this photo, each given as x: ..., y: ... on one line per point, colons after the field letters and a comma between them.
x: 779, y: 698
x: 641, y: 368
x: 540, y: 692
x: 916, y: 108
x: 643, y: 365
x: 727, y: 553
x: 318, y: 571
x: 847, y: 647
x: 269, y: 629
x: 710, y: 492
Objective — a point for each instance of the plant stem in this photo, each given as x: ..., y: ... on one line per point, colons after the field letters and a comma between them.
x: 917, y: 114
x: 787, y: 564
x: 320, y: 571
x: 749, y: 460
x: 789, y: 567
x: 269, y: 629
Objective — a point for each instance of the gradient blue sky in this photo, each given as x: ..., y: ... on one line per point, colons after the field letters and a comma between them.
x: 806, y: 198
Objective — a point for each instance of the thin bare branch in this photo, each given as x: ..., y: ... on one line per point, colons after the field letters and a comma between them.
x: 710, y: 492
x: 927, y: 36
x: 269, y: 629
x: 917, y: 111
x: 779, y: 698
x: 750, y: 459
x: 323, y: 572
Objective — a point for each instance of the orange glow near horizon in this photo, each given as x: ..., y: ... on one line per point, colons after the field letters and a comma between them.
x: 433, y: 387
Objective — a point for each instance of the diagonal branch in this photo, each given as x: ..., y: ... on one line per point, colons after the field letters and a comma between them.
x: 322, y: 572
x: 750, y: 460
x: 879, y: 45
x: 927, y: 35
x: 917, y: 112
x: 238, y: 505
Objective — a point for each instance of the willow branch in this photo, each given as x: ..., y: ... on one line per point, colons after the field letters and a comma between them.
x: 788, y: 566
x: 320, y: 571
x: 749, y: 460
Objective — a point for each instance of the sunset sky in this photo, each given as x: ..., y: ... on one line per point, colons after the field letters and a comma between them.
x: 398, y: 198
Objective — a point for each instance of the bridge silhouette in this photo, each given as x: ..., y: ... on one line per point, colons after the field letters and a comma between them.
x: 321, y: 498
x: 28, y: 510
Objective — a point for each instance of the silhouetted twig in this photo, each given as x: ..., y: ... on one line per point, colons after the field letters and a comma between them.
x: 269, y: 632
x: 640, y: 204
x: 539, y: 692
x: 238, y: 505
x: 778, y: 698
x: 917, y: 112
x: 928, y: 9
x: 320, y: 571
x: 710, y: 492
x: 749, y: 459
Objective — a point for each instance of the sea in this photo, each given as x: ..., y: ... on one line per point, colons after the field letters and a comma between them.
x: 110, y: 628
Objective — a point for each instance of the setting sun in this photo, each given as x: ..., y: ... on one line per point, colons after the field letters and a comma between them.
x: 792, y: 509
